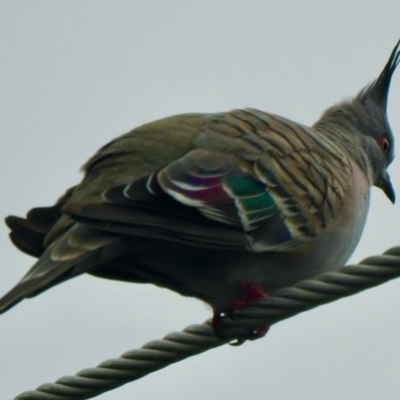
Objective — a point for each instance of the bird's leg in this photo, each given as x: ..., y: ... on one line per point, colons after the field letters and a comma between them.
x: 253, y: 292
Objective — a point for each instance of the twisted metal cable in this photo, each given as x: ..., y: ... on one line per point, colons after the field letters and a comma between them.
x: 196, y: 339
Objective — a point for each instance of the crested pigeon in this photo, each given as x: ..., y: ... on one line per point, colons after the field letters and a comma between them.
x: 224, y: 207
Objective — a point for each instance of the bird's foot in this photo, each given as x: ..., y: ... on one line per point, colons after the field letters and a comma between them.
x: 253, y: 292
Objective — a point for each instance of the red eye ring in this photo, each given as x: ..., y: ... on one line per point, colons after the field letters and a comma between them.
x: 384, y: 144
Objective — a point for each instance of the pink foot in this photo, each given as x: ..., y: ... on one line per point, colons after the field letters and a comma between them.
x: 253, y: 292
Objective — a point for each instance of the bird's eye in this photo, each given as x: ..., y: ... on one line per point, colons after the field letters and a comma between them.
x: 384, y: 144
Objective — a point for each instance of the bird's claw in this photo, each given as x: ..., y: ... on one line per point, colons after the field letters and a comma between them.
x: 253, y: 292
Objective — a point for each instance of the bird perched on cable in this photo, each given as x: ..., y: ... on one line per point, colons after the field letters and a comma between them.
x: 224, y: 207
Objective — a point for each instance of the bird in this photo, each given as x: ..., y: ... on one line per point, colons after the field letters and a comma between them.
x: 225, y: 207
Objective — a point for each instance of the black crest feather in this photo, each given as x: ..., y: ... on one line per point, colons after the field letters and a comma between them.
x: 379, y: 89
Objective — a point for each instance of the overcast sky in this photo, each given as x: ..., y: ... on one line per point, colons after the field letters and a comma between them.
x: 75, y: 74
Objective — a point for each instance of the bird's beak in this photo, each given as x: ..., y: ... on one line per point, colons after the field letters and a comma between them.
x: 386, y: 185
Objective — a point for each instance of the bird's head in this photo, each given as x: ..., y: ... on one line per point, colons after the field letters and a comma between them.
x: 366, y: 116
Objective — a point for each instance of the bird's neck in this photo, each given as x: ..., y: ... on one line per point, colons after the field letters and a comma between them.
x: 347, y: 137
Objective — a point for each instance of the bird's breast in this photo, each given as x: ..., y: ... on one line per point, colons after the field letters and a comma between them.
x: 329, y: 250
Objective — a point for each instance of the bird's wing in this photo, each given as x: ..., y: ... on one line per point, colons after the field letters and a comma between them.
x: 254, y: 180
x: 305, y: 174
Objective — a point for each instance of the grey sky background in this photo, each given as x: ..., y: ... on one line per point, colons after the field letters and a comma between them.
x: 74, y: 75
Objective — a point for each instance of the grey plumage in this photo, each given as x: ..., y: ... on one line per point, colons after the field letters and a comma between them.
x: 206, y: 203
